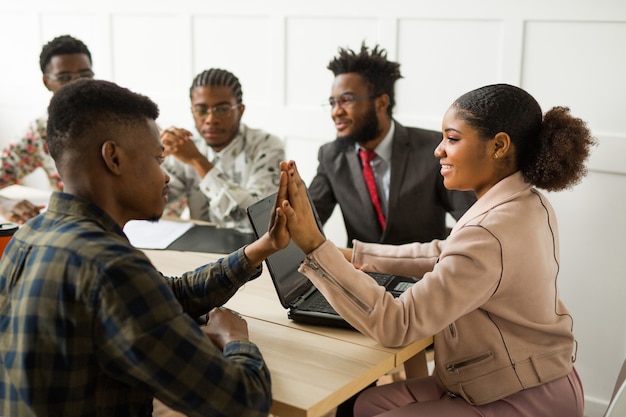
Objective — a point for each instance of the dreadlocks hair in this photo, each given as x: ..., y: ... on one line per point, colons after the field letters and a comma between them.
x: 218, y: 77
x: 372, y: 65
x: 61, y: 45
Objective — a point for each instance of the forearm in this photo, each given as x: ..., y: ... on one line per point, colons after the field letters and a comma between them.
x: 201, y: 165
x: 213, y: 284
x: 259, y: 250
x: 412, y: 259
x: 187, y: 381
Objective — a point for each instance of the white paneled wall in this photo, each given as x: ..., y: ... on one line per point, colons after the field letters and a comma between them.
x: 564, y: 52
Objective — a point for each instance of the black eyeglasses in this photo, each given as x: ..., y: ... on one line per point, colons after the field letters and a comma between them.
x: 66, y: 77
x: 346, y: 100
x: 219, y: 111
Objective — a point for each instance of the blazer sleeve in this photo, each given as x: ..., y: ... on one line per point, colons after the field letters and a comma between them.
x: 467, y: 273
x: 320, y: 189
x: 411, y: 259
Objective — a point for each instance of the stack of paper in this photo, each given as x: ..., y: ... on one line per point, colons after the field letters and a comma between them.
x: 155, y: 235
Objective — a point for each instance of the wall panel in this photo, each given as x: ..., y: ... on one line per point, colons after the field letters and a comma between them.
x: 558, y: 60
x: 440, y: 60
x: 18, y: 99
x: 151, y: 55
x: 311, y: 44
x: 591, y: 277
x: 240, y: 44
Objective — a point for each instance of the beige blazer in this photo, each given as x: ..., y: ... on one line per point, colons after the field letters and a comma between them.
x: 488, y: 294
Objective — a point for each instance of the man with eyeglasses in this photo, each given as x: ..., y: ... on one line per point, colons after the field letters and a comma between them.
x: 61, y: 60
x: 406, y: 200
x: 383, y: 175
x: 231, y: 166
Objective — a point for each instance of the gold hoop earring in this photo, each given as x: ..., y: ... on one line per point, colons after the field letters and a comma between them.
x: 495, y: 155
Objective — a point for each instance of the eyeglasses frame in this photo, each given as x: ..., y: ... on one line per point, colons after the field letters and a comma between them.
x: 210, y: 110
x: 74, y: 76
x: 332, y: 101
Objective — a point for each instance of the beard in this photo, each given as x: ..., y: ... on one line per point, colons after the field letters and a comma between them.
x: 368, y: 130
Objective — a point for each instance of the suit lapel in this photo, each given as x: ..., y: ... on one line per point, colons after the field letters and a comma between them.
x: 354, y: 164
x: 400, y: 156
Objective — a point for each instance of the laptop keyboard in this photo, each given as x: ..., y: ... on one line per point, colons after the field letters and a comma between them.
x: 381, y: 279
x: 319, y: 304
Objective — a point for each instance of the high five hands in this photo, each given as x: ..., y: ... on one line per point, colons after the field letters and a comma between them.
x: 293, y: 203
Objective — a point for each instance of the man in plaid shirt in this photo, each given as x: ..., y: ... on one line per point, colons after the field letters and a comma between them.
x: 88, y: 327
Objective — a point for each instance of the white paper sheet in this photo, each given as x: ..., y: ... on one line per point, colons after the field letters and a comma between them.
x: 155, y: 235
x: 36, y: 196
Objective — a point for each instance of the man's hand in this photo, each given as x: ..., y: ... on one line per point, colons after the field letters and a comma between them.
x: 224, y: 326
x: 276, y: 238
x: 18, y: 211
x: 293, y: 202
x: 277, y: 229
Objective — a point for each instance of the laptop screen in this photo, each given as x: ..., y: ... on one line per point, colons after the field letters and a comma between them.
x: 284, y: 264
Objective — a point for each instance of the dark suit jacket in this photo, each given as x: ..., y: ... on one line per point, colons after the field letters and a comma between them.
x: 418, y: 201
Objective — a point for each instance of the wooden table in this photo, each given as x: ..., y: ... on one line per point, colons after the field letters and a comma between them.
x: 313, y: 368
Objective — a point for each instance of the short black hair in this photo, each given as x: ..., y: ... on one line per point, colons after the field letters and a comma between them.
x: 62, y: 45
x: 221, y: 78
x: 373, y: 66
x: 85, y: 111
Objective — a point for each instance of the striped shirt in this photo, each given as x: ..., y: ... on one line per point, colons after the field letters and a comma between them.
x: 88, y: 327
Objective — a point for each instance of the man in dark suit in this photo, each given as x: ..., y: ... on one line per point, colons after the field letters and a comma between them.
x: 413, y: 200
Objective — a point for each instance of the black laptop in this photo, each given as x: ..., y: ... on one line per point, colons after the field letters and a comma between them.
x: 305, y: 304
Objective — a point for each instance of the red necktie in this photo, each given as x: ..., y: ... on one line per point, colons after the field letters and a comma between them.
x: 370, y: 181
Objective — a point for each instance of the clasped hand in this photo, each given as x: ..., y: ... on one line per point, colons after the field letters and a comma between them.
x: 177, y: 141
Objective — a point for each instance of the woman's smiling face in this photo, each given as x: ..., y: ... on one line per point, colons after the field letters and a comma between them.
x: 467, y: 161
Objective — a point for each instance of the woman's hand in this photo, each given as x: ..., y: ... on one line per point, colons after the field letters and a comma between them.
x: 293, y: 201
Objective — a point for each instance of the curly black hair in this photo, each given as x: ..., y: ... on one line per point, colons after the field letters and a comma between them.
x: 61, y: 45
x: 550, y: 150
x: 88, y: 111
x: 221, y: 78
x: 380, y: 73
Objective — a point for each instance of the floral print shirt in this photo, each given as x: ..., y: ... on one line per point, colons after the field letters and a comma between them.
x: 245, y: 171
x: 27, y: 154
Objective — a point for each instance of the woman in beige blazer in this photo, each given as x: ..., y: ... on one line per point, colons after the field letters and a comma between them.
x: 504, y: 343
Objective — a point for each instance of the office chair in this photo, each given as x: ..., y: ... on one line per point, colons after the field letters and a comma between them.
x: 617, y: 405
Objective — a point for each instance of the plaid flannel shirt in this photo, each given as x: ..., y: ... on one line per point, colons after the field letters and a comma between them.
x: 88, y: 327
